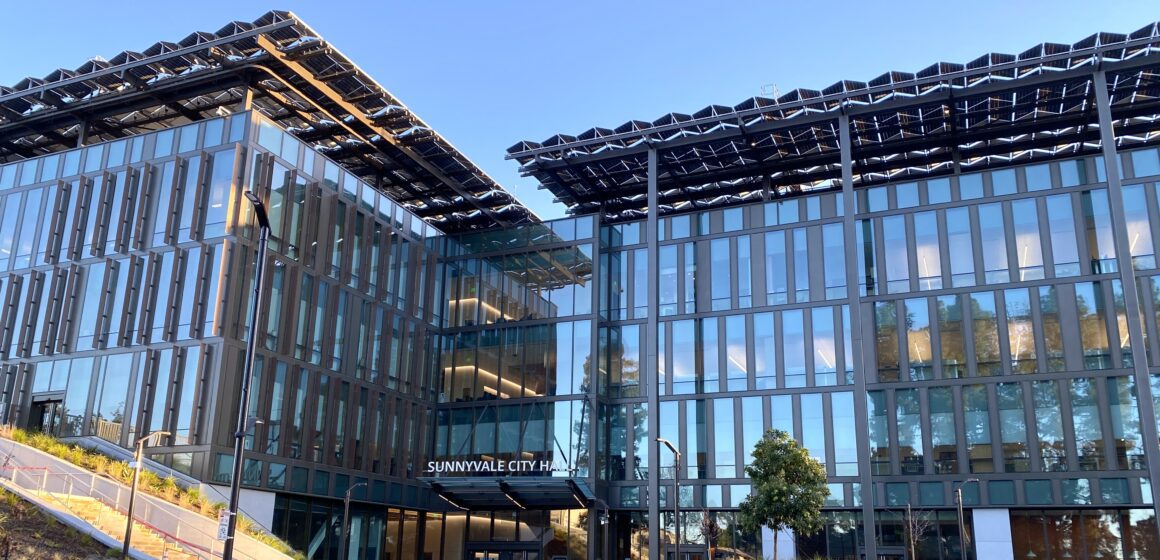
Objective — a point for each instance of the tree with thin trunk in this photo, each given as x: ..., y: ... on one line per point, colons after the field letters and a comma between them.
x: 789, y: 488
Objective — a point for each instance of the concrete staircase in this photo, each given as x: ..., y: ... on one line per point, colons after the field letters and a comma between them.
x: 112, y: 523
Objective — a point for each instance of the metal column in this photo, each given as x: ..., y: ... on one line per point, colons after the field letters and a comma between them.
x: 650, y: 363
x: 1128, y: 279
x: 861, y: 366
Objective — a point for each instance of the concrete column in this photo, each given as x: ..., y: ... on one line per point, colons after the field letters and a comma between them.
x: 650, y: 364
x: 1128, y: 278
x: 862, y: 428
x: 992, y: 534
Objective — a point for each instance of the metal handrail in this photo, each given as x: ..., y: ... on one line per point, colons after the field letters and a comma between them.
x: 39, y: 483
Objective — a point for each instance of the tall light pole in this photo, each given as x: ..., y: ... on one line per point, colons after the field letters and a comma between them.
x: 676, y: 492
x: 962, y: 526
x: 346, y: 521
x: 133, y: 489
x: 247, y: 373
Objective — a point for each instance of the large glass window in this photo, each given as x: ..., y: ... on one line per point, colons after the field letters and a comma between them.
x: 879, y: 432
x: 977, y: 427
x: 825, y: 346
x: 886, y: 340
x: 1140, y: 244
x: 942, y: 430
x: 1020, y: 331
x: 993, y: 243
x: 986, y: 334
x: 894, y: 244
x: 736, y: 362
x: 911, y: 452
x: 919, y: 349
x: 776, y: 287
x: 1052, y: 335
x: 1125, y: 416
x: 1098, y: 225
x: 950, y: 326
x: 1061, y: 221
x: 801, y: 265
x: 667, y: 283
x: 1013, y: 428
x: 814, y: 426
x: 834, y: 260
x: 1093, y: 325
x: 927, y: 251
x: 744, y: 273
x: 1025, y: 219
x: 1085, y: 414
x: 724, y: 456
x: 721, y: 278
x: 867, y: 257
x: 1049, y: 426
x: 765, y: 351
x: 961, y: 247
x: 794, y: 347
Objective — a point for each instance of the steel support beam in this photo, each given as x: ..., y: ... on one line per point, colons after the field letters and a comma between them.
x: 862, y: 430
x: 1148, y: 430
x: 650, y: 364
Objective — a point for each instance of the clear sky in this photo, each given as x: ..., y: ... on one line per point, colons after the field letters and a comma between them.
x: 487, y: 74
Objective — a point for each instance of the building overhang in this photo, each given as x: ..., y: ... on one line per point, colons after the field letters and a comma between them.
x: 282, y: 68
x: 478, y: 493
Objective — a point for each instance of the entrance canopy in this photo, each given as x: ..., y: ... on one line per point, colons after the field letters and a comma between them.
x: 517, y: 492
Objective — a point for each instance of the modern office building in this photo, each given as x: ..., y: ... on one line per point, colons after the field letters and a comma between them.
x: 936, y: 281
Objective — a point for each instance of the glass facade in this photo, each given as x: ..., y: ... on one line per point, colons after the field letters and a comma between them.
x: 997, y: 326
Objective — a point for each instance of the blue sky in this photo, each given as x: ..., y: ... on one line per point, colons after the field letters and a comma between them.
x: 487, y: 74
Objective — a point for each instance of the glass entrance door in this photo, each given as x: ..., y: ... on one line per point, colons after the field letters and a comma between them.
x: 45, y: 416
x: 690, y: 552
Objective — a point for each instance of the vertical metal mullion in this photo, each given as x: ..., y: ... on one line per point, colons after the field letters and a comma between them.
x: 1127, y: 276
x: 650, y: 366
x: 860, y: 409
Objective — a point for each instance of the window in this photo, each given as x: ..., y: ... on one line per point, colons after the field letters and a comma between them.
x: 961, y: 248
x: 776, y: 287
x: 950, y: 326
x: 986, y: 334
x: 886, y: 340
x: 765, y: 351
x: 744, y: 273
x: 867, y: 257
x: 794, y: 348
x: 1020, y: 331
x: 720, y: 274
x: 927, y: 251
x: 1085, y: 415
x: 1089, y: 297
x: 993, y: 243
x: 724, y: 456
x: 1025, y: 221
x: 977, y: 427
x: 1049, y: 426
x: 879, y: 433
x: 801, y: 266
x: 911, y: 454
x: 834, y: 260
x: 919, y: 349
x: 894, y: 243
x: 1052, y: 335
x: 1140, y: 244
x: 1125, y: 416
x: 1061, y: 222
x: 1098, y: 226
x: 736, y: 370
x: 825, y: 346
x: 942, y: 430
x: 1013, y: 428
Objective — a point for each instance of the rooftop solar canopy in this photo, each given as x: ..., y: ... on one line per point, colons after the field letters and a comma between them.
x: 996, y: 110
x: 294, y: 77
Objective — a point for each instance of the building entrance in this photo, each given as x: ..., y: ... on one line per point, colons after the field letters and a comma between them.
x: 690, y: 552
x: 45, y: 416
x: 503, y: 551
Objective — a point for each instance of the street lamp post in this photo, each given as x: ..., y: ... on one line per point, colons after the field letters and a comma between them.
x: 962, y: 526
x: 133, y: 489
x: 247, y: 374
x: 346, y: 521
x: 676, y: 494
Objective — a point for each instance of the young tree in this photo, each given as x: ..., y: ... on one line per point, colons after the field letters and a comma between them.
x: 789, y: 488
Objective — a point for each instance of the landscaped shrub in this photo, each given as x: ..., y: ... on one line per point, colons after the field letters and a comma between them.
x: 149, y: 483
